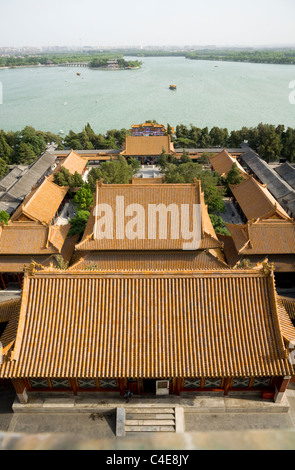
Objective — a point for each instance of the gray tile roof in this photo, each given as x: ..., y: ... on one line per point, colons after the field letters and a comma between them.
x: 23, y: 185
x: 11, y: 178
x: 287, y: 172
x: 275, y: 184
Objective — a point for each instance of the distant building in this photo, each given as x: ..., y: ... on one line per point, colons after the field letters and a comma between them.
x: 112, y: 64
x: 147, y: 149
x: 148, y: 129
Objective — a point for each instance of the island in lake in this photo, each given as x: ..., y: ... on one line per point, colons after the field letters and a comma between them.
x: 114, y: 64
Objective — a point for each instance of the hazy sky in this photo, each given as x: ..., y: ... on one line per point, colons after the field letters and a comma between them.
x: 150, y: 22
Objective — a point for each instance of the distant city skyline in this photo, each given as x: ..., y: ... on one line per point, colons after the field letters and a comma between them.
x: 72, y: 23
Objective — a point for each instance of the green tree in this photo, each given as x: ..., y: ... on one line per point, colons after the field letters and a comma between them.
x: 83, y: 199
x: 219, y: 224
x: 76, y: 180
x: 163, y: 161
x: 113, y: 172
x: 135, y: 164
x: 213, y: 199
x: 4, y: 217
x: 62, y: 177
x: 218, y: 137
x: 4, y: 168
x: 25, y: 154
x: 234, y: 175
x: 265, y: 139
x: 170, y: 132
x: 185, y: 158
x: 288, y: 142
x: 37, y: 142
x: 78, y: 222
x: 6, y: 151
x: 95, y: 174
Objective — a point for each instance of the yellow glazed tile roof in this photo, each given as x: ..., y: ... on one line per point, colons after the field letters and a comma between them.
x: 147, y: 145
x: 42, y: 203
x: 256, y: 201
x: 74, y: 162
x: 149, y: 261
x: 212, y: 324
x: 159, y: 180
x: 24, y: 238
x: 289, y: 304
x: 145, y: 195
x: 222, y: 163
x: 9, y: 313
x: 266, y: 237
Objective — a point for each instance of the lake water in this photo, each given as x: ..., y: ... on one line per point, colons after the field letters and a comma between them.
x: 208, y: 93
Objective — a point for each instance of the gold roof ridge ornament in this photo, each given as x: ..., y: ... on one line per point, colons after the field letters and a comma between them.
x: 267, y: 268
x: 30, y: 269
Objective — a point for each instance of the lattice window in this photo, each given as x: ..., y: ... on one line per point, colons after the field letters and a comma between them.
x: 192, y: 383
x: 241, y: 383
x: 213, y: 383
x: 261, y: 382
x: 60, y: 383
x: 106, y: 383
x: 87, y: 383
x: 39, y: 383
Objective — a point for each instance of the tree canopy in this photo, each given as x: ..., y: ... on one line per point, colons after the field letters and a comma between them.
x: 113, y: 172
x: 83, y: 198
x: 187, y: 172
x: 78, y: 222
x: 4, y: 217
x: 64, y: 178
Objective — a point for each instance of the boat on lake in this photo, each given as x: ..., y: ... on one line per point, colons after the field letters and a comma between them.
x: 172, y: 87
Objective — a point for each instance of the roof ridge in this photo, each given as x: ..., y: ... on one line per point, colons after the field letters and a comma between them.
x: 271, y: 199
x: 275, y: 316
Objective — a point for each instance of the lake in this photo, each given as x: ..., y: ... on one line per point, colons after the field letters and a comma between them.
x: 224, y: 94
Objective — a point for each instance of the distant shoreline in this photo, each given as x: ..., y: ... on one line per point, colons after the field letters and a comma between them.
x: 68, y: 66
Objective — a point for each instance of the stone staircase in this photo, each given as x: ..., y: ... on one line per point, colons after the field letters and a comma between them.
x: 149, y: 419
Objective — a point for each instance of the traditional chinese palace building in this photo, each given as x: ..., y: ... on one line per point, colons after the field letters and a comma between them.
x: 223, y: 161
x: 268, y: 232
x: 32, y: 233
x: 148, y: 129
x: 145, y: 314
x: 147, y: 141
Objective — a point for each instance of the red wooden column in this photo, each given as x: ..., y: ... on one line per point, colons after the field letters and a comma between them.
x: 177, y: 385
x: 122, y: 385
x: 74, y: 385
x: 21, y: 390
x: 2, y: 280
x: 227, y: 384
x: 281, y: 387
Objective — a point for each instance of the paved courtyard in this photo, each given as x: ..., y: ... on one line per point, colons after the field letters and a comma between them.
x: 89, y: 425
